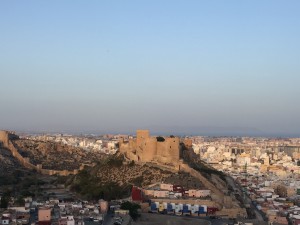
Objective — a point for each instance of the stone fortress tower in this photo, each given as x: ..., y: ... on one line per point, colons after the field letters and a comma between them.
x: 145, y: 148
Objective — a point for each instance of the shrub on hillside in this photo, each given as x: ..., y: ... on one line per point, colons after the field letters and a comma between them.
x: 133, y: 209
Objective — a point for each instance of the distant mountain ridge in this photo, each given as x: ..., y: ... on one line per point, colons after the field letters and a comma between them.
x: 212, y: 131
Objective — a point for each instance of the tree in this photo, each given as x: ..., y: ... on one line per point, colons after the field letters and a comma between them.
x: 4, y: 203
x: 132, y: 163
x: 133, y: 209
x: 20, y: 201
x: 160, y: 139
x: 5, y: 199
x: 138, y: 181
x: 281, y: 191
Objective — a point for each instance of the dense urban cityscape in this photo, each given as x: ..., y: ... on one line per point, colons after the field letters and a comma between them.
x: 259, y: 180
x: 161, y: 112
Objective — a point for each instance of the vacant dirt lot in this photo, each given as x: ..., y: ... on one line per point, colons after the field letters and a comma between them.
x: 157, y: 219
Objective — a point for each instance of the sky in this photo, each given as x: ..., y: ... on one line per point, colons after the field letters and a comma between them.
x: 191, y: 67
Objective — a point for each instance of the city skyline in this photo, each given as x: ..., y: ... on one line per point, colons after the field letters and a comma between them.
x: 207, y: 68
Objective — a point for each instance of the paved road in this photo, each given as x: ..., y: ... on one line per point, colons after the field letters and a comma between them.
x: 107, y: 218
x: 247, y: 200
x: 33, y: 216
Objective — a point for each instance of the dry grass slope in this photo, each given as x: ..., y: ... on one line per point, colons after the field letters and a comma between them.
x: 54, y: 155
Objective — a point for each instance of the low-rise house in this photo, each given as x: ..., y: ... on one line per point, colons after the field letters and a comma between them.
x: 68, y: 220
x: 168, y: 187
x: 148, y: 192
x: 203, y: 193
x: 281, y: 220
x: 295, y: 219
x: 44, y: 214
x: 23, y: 218
x: 103, y: 205
x: 191, y: 193
x: 28, y: 199
x: 77, y: 206
x: 161, y: 194
x: 5, y: 220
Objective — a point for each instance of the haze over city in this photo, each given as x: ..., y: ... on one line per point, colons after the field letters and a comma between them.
x: 185, y: 67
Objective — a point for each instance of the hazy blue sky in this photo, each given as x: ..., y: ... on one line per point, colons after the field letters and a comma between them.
x: 207, y: 67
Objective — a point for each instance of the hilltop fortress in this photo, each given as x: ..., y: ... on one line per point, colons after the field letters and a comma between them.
x: 163, y: 151
x: 144, y: 148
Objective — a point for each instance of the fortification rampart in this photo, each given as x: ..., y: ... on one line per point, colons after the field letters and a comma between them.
x: 5, y: 139
x: 145, y: 148
x: 219, y: 195
x: 168, y: 151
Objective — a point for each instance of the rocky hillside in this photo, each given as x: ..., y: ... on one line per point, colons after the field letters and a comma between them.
x: 8, y: 163
x: 217, y: 178
x: 118, y: 176
x: 111, y: 177
x: 10, y: 168
x: 54, y: 155
x: 114, y: 169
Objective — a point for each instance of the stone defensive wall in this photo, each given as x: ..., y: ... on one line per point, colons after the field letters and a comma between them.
x: 219, y: 195
x: 6, y: 137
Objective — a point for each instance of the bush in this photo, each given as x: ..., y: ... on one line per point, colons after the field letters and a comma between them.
x: 115, y: 161
x: 90, y: 187
x: 7, y: 180
x: 160, y: 139
x: 138, y: 181
x: 5, y: 199
x: 4, y: 202
x: 132, y: 163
